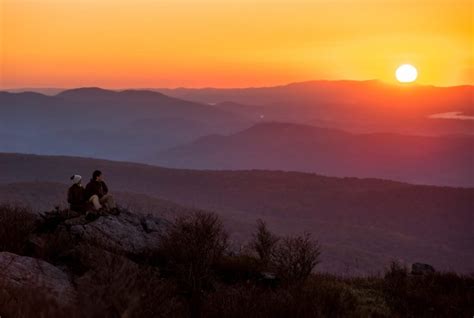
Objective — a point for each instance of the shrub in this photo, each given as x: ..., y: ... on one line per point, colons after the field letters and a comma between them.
x: 117, y: 287
x: 16, y: 224
x: 314, y: 298
x: 294, y: 258
x: 263, y: 243
x: 191, y: 246
x: 396, y: 277
x: 238, y: 268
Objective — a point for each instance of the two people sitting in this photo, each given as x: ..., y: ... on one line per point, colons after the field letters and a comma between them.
x: 95, y: 195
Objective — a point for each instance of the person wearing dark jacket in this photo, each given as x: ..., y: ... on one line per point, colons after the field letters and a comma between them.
x: 76, y: 196
x: 98, y: 194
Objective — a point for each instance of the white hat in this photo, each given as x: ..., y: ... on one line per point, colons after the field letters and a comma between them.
x: 76, y: 179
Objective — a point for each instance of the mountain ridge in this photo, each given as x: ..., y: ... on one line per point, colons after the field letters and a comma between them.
x: 435, y: 160
x: 101, y: 123
x: 359, y: 221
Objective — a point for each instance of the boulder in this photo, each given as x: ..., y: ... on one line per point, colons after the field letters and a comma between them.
x: 421, y: 269
x: 126, y: 233
x: 268, y: 279
x: 24, y: 279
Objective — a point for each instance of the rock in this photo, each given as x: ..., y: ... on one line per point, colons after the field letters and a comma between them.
x: 268, y: 275
x: 43, y: 281
x: 421, y: 269
x: 126, y: 233
x: 81, y: 220
x: 50, y: 220
x: 268, y: 279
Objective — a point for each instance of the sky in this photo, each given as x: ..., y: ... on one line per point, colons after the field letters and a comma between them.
x: 230, y: 43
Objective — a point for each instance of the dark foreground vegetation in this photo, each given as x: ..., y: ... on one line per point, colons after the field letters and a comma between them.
x: 193, y: 272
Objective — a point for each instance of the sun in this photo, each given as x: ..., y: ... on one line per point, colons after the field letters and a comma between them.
x: 406, y: 73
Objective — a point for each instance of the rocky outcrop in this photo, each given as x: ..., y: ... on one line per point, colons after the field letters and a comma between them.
x: 126, y: 233
x: 98, y: 264
x: 44, y: 281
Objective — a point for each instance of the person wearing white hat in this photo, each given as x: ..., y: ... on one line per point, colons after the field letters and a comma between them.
x: 76, y: 195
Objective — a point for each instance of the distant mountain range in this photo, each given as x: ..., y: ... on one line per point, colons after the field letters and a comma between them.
x: 443, y: 160
x: 339, y: 128
x: 42, y: 90
x: 357, y: 106
x: 362, y: 223
x: 108, y: 124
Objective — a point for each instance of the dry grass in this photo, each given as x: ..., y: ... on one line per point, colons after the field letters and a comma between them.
x: 434, y: 295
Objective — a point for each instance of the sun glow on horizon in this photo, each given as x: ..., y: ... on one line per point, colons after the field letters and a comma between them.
x: 406, y: 73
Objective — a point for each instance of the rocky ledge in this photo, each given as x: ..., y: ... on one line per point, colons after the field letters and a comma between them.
x: 66, y: 248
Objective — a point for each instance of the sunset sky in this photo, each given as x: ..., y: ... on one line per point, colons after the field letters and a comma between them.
x: 230, y: 43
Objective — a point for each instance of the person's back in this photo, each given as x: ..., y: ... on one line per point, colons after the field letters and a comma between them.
x: 76, y: 196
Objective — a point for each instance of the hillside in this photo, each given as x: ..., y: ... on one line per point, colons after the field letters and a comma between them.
x: 442, y: 160
x: 361, y: 223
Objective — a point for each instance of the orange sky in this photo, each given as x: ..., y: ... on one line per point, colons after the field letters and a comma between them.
x: 230, y: 43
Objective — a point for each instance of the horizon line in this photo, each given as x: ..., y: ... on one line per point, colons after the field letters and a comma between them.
x: 230, y: 87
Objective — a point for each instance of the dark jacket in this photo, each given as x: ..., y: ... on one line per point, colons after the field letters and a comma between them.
x: 98, y: 188
x: 76, y: 198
